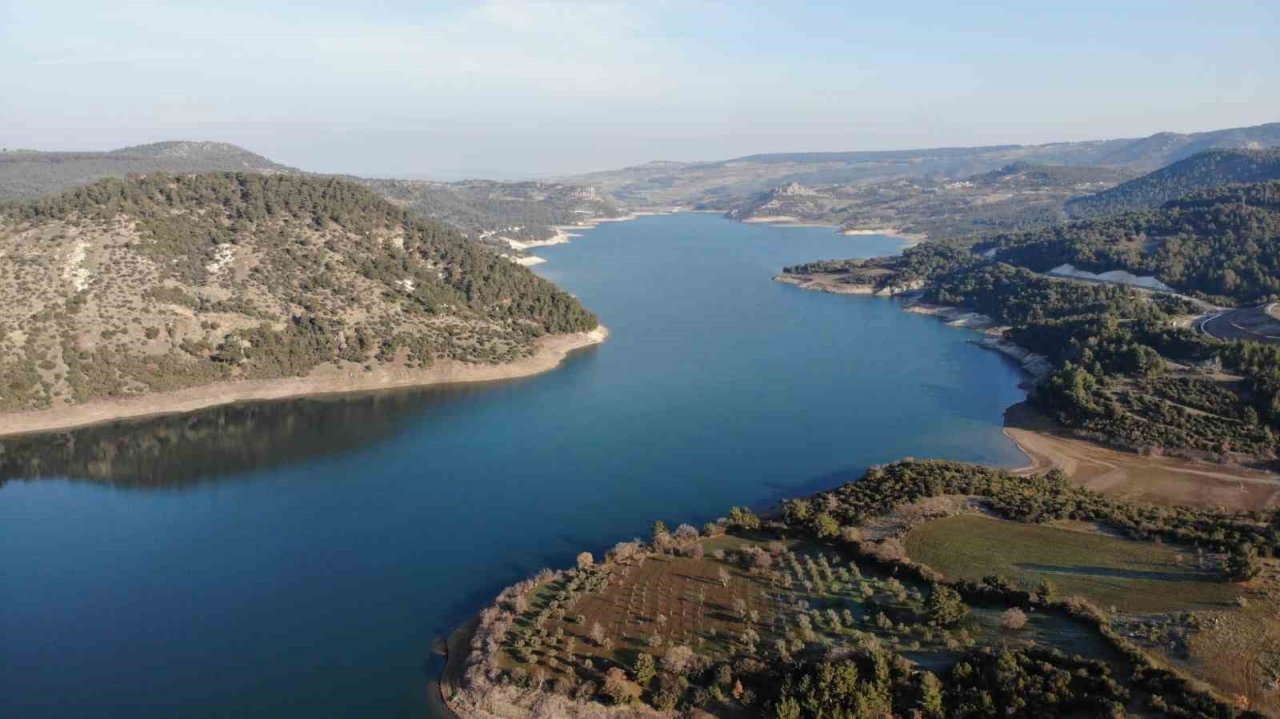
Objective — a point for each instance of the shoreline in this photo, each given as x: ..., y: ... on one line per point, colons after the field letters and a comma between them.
x: 908, y: 239
x: 784, y: 221
x: 550, y: 353
x: 457, y: 648
x: 1036, y: 366
x: 1152, y: 479
x: 828, y: 283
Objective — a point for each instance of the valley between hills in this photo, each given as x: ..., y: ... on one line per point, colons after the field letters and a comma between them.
x: 1131, y: 570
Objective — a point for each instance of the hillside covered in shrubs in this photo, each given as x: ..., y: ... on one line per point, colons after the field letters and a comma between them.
x: 159, y: 282
x: 1202, y: 171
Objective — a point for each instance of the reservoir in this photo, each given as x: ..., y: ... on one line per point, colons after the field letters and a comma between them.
x: 298, y: 559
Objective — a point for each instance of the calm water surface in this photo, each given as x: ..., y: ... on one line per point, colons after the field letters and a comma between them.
x: 297, y: 559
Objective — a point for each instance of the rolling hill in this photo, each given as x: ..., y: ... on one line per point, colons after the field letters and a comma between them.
x: 1016, y: 196
x: 721, y: 184
x: 28, y: 173
x: 496, y: 211
x: 160, y: 282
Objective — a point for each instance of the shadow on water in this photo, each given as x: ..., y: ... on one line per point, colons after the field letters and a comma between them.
x: 174, y: 451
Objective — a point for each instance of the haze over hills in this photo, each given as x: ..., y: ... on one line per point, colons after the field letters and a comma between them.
x: 1016, y: 196
x: 939, y: 192
x: 715, y: 185
x: 128, y: 287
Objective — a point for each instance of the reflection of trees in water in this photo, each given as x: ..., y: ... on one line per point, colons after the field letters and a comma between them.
x: 177, y: 450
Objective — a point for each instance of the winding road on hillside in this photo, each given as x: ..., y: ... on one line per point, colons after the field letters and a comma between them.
x: 1259, y: 324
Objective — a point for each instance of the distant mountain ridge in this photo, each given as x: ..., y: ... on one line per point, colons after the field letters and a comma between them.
x: 483, y: 209
x: 720, y: 184
x: 1198, y: 172
x: 1016, y: 196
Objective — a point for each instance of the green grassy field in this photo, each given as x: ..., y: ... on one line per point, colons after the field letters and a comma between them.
x: 1109, y: 571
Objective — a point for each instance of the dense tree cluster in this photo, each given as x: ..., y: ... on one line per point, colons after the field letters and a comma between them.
x: 1221, y: 243
x: 1032, y: 683
x: 1042, y: 498
x: 922, y: 263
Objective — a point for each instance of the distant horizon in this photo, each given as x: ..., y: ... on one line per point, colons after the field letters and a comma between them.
x: 517, y: 89
x: 553, y: 176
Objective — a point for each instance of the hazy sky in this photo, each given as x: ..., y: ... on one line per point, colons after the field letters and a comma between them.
x: 516, y: 89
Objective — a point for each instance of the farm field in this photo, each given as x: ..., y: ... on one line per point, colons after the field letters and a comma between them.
x: 802, y: 595
x: 1136, y: 477
x: 1112, y: 573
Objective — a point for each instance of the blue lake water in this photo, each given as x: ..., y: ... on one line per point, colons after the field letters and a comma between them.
x: 297, y: 559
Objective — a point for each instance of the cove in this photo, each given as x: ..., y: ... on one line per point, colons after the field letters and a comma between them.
x: 298, y: 558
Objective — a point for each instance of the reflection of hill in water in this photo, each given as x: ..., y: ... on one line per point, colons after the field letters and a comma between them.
x: 178, y: 450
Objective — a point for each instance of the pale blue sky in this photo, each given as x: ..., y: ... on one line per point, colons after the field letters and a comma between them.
x: 518, y: 89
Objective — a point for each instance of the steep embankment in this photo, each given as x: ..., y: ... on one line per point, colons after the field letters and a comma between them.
x: 172, y: 292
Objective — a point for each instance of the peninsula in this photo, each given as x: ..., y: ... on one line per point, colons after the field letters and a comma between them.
x: 169, y: 293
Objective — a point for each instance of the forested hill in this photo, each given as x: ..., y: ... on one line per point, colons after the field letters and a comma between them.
x: 29, y: 173
x: 124, y: 287
x: 1222, y: 244
x: 497, y: 211
x: 521, y: 211
x: 1198, y: 172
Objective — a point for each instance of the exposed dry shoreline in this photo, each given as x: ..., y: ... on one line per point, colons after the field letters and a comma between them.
x: 910, y: 239
x: 1136, y: 477
x: 550, y: 353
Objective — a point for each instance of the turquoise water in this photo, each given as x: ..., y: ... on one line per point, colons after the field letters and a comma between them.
x: 297, y: 559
